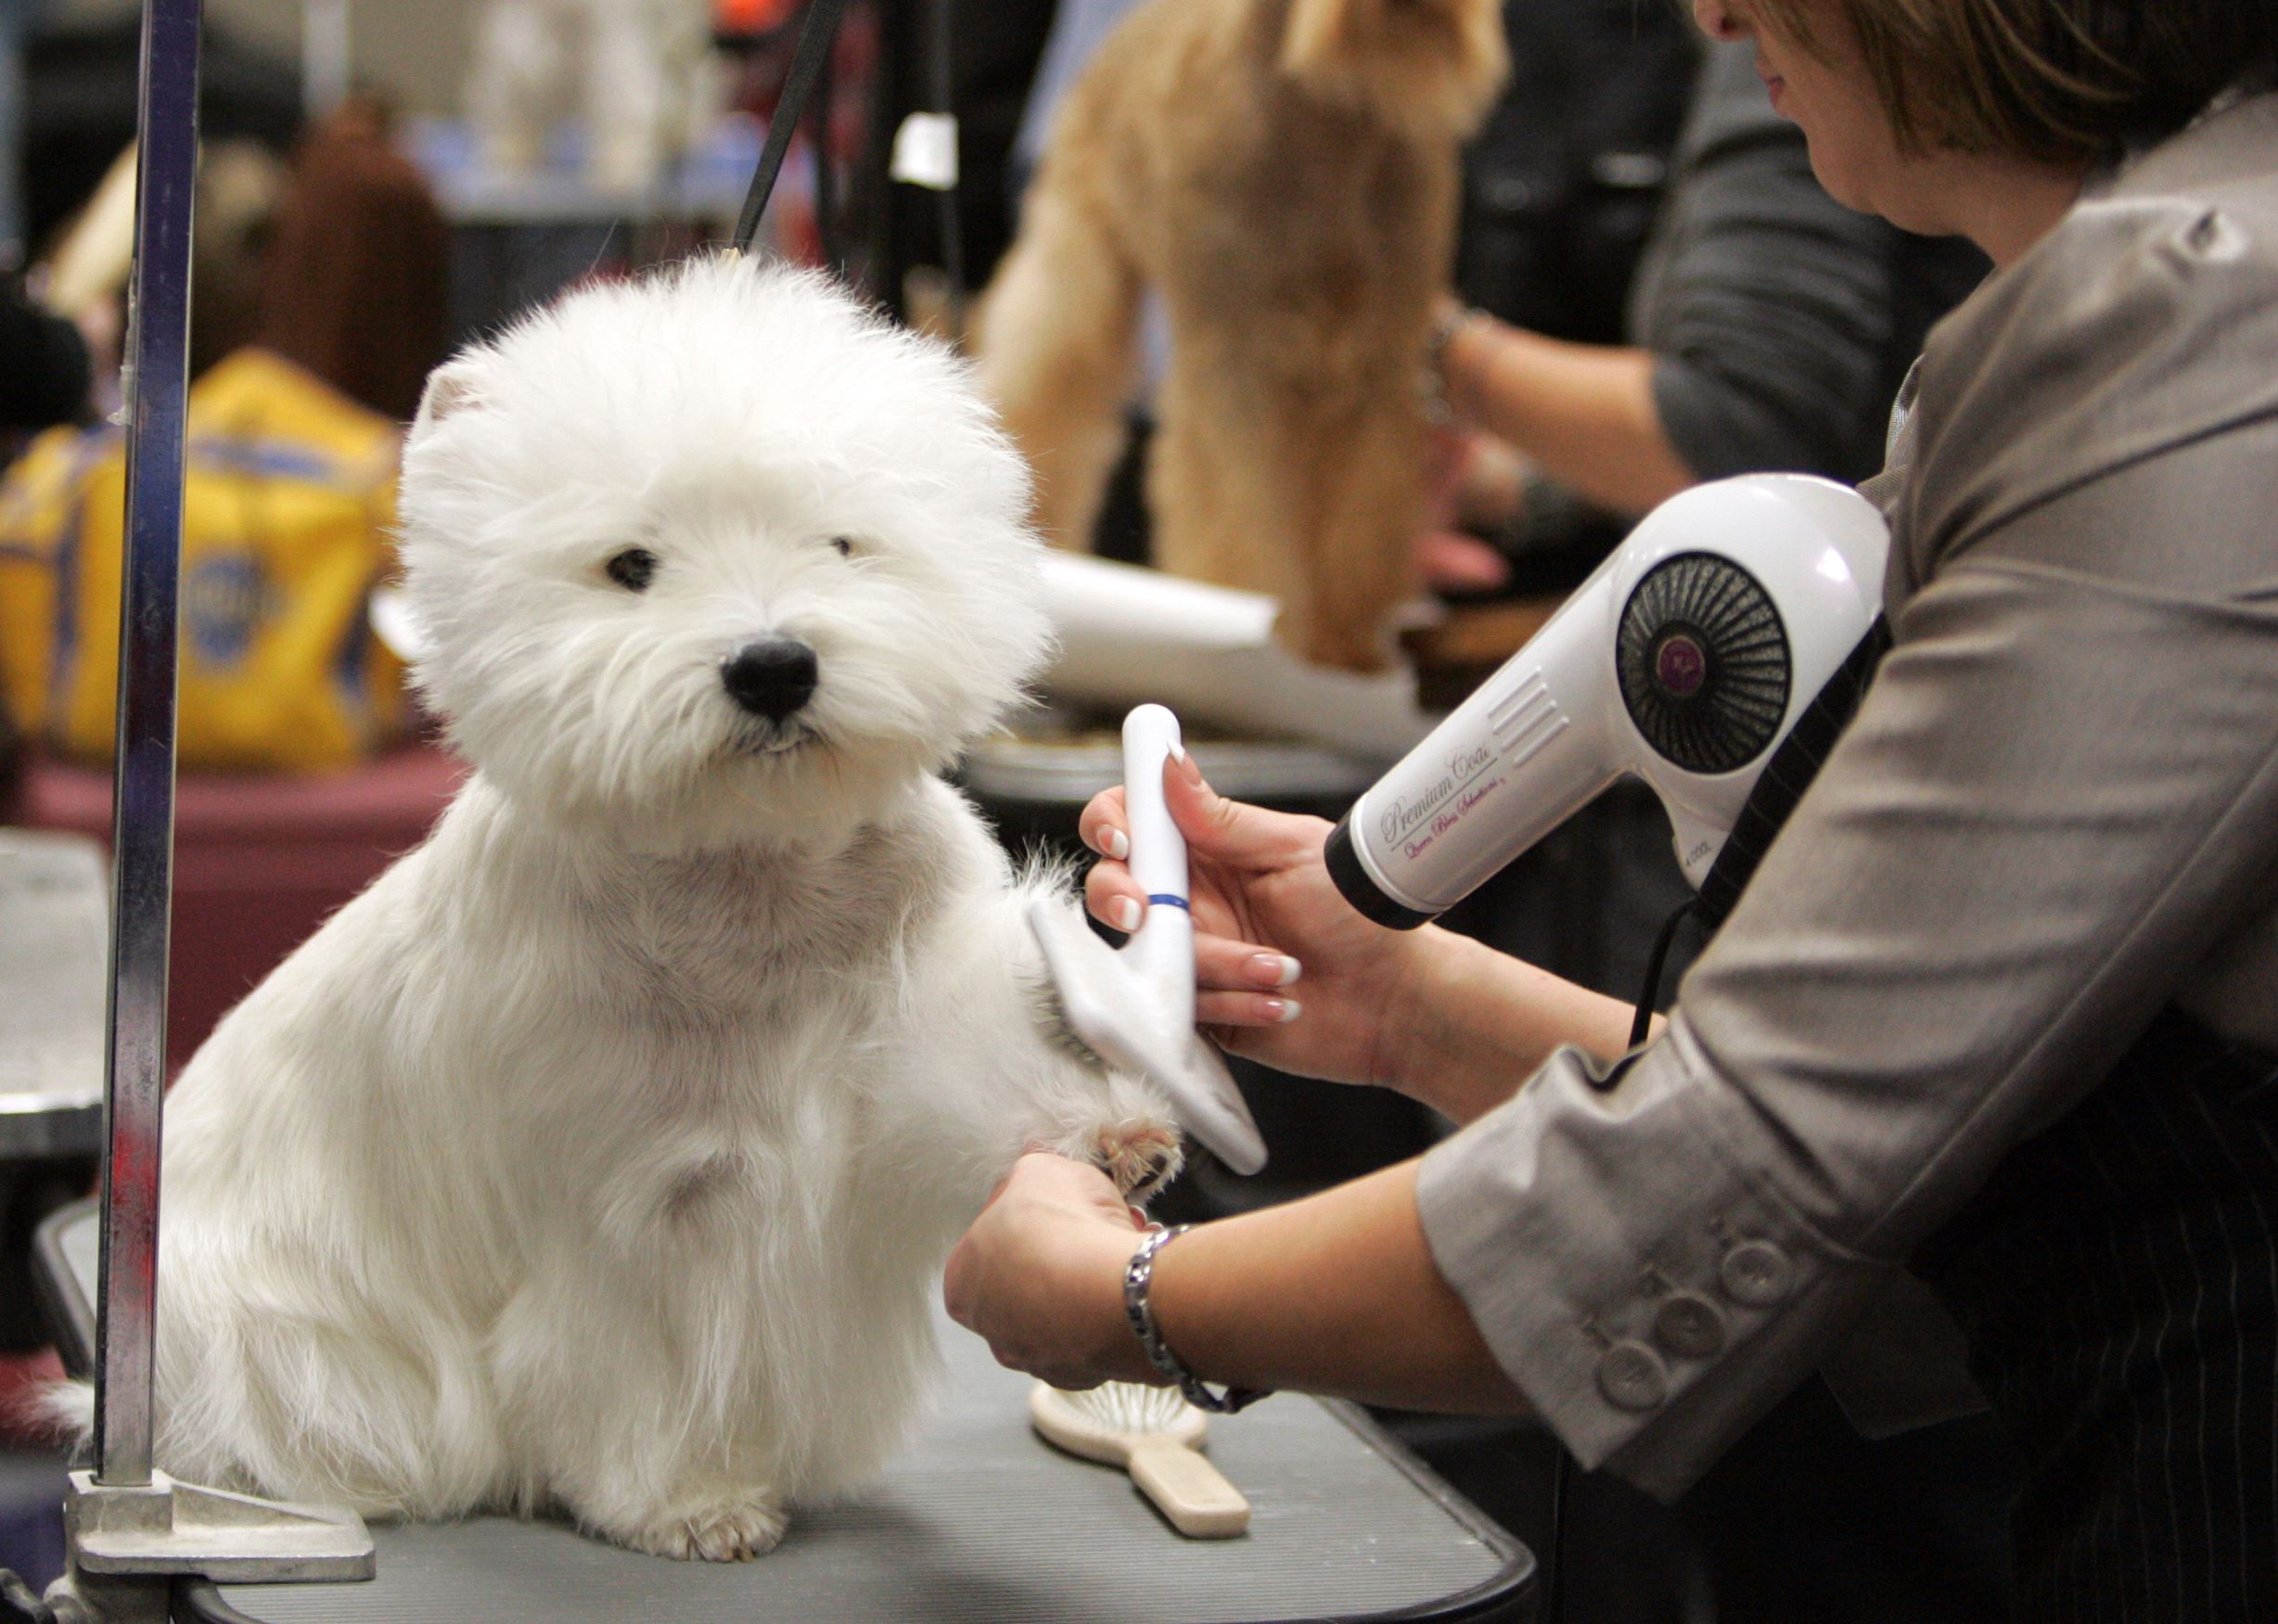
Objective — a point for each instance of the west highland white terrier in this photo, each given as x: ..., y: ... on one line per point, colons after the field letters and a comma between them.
x: 602, y: 1156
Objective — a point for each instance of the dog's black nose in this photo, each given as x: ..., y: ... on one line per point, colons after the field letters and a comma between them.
x: 771, y: 679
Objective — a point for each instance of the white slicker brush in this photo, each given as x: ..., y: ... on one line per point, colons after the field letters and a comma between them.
x: 1135, y: 1008
x: 1157, y: 1437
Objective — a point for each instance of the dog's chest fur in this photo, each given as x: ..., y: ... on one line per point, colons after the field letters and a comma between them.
x: 699, y: 1040
x: 730, y: 938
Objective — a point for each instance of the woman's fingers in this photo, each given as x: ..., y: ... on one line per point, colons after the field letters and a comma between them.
x: 1103, y: 826
x: 1244, y: 966
x: 1245, y: 1009
x: 1208, y: 819
x: 1113, y: 897
x: 1248, y: 840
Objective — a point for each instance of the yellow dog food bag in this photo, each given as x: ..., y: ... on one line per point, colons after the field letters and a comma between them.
x: 286, y: 509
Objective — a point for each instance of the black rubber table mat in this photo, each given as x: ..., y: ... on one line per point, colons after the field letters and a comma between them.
x: 979, y: 1521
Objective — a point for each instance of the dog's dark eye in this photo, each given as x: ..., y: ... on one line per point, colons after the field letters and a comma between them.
x: 844, y: 545
x: 632, y: 568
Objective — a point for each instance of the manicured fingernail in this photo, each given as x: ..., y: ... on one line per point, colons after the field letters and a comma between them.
x: 1187, y: 768
x: 1178, y: 750
x: 1118, y: 844
x: 1285, y: 1010
x: 1273, y: 969
x: 1124, y: 915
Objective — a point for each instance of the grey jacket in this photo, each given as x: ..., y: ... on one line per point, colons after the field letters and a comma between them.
x: 2056, y: 813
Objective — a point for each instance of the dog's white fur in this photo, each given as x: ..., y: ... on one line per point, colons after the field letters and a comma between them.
x: 603, y: 1154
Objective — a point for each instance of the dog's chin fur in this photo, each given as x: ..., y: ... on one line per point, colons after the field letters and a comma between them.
x: 601, y: 1156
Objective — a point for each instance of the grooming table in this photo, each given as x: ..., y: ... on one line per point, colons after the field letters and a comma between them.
x: 978, y: 1520
x: 54, y: 943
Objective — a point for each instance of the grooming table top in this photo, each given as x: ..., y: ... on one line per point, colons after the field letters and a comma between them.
x: 54, y: 951
x: 978, y: 1520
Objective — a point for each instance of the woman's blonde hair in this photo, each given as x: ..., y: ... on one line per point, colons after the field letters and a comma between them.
x: 2056, y: 80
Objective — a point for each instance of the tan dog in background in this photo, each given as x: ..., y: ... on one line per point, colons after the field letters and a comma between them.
x: 1285, y: 172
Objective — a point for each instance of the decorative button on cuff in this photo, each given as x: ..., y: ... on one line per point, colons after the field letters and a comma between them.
x: 1633, y: 1376
x: 1757, y: 1274
x: 1689, y: 1325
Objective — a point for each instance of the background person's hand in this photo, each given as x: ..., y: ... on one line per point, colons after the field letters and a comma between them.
x: 1475, y: 485
x: 1287, y: 972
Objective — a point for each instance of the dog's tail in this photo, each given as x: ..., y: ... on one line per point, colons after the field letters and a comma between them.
x: 64, y: 1411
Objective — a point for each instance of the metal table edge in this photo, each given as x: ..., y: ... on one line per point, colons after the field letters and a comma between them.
x: 70, y: 1315
x: 1510, y: 1583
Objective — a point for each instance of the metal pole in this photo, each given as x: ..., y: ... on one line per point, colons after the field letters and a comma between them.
x: 142, y: 797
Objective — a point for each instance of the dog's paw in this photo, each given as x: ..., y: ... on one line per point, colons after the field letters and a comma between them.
x: 1140, y: 1156
x: 729, y: 1528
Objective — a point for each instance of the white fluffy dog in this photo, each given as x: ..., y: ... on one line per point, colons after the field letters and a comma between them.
x: 602, y: 1156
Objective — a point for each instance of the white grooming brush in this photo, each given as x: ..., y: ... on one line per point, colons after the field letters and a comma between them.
x: 1136, y: 1009
x: 1157, y: 1437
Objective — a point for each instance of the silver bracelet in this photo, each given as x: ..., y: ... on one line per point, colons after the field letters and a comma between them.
x: 1439, y: 400
x: 1137, y: 1276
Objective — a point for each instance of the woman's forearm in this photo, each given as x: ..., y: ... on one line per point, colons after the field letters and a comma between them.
x: 1336, y: 1293
x: 1472, y: 1024
x: 1584, y: 413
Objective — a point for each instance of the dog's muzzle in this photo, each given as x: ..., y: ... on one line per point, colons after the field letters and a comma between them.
x: 773, y: 679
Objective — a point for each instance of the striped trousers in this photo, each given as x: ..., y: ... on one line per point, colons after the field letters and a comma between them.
x: 2118, y: 1279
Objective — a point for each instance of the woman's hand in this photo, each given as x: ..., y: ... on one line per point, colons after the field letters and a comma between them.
x: 1040, y: 1275
x: 1265, y: 914
x: 1439, y: 1017
x: 1472, y: 483
x: 1334, y: 1294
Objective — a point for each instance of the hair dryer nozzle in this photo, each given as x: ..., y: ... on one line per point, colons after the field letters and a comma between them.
x: 1349, y: 868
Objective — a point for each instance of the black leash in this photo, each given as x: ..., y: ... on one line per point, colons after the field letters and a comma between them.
x: 818, y: 32
x: 1642, y: 1022
x: 1561, y: 1480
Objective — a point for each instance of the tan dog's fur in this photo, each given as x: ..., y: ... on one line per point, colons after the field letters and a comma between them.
x: 1286, y: 173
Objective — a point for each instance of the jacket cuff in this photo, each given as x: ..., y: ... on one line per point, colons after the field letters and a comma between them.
x: 1630, y: 1265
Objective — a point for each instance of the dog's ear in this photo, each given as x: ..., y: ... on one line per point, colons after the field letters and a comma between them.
x: 454, y: 387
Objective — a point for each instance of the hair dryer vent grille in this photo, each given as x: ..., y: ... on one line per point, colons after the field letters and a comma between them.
x: 1704, y: 663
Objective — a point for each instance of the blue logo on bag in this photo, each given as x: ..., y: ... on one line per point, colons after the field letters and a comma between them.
x: 223, y: 601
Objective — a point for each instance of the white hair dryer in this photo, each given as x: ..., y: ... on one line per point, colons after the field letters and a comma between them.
x: 1684, y: 659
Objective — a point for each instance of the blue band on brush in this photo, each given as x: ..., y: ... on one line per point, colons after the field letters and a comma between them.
x: 1173, y: 902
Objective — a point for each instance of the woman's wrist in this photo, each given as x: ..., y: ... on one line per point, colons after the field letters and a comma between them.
x: 1427, y: 1043
x: 1334, y: 1294
x: 1461, y: 339
x: 1433, y: 1048
x: 1117, y: 1353
x: 1466, y: 1025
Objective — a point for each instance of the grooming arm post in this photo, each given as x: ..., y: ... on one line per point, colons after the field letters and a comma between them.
x: 143, y: 796
x: 131, y: 1529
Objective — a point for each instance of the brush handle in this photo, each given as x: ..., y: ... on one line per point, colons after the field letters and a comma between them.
x: 1162, y: 948
x: 1188, y: 1490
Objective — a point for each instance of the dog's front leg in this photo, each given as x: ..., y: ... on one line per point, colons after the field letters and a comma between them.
x: 612, y: 1424
x: 1120, y: 1123
x: 1141, y: 1152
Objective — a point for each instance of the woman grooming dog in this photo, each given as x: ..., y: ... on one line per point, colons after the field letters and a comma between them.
x: 1995, y: 1004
